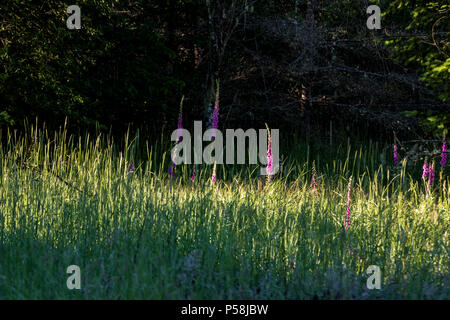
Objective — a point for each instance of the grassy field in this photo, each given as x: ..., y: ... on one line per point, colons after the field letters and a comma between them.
x: 140, y: 235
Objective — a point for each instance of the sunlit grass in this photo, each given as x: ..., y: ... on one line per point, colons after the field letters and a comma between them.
x: 140, y: 235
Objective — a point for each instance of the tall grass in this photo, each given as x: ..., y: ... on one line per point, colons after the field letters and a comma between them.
x: 71, y: 200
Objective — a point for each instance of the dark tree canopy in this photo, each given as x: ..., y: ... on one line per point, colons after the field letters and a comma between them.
x: 298, y: 63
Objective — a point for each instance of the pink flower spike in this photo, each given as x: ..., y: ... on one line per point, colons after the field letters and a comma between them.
x: 172, y: 171
x: 269, y: 168
x: 444, y: 153
x: 215, y: 116
x: 425, y: 170
x: 395, y: 154
x: 269, y: 158
x: 193, y: 174
x: 430, y: 175
x: 315, y: 185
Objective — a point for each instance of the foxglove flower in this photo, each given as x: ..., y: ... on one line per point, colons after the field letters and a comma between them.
x: 193, y: 174
x: 425, y: 170
x: 430, y: 175
x: 395, y: 154
x: 215, y: 118
x: 180, y: 126
x: 215, y: 115
x: 444, y: 153
x: 131, y: 168
x: 349, y: 194
x: 315, y: 185
x: 269, y: 168
x: 269, y: 159
x: 172, y: 171
x: 215, y: 125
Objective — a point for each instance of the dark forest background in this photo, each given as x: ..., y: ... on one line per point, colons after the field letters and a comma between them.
x: 306, y: 65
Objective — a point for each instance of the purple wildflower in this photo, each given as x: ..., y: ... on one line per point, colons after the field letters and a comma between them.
x: 395, y: 154
x: 444, y: 153
x: 269, y: 168
x: 215, y: 116
x: 425, y: 170
x: 269, y: 158
x: 131, y: 168
x: 349, y: 194
x: 180, y: 126
x: 172, y: 171
x: 193, y: 174
x: 430, y: 175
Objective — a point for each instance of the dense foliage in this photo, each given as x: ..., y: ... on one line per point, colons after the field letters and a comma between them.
x: 295, y: 62
x: 115, y: 70
x: 426, y: 48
